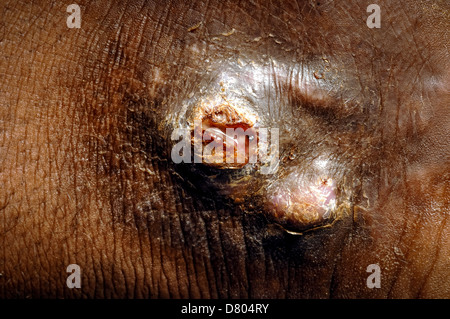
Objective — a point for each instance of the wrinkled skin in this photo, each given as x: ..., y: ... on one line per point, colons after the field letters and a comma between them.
x: 87, y: 176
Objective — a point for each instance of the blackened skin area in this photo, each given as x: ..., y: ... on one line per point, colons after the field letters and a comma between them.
x: 87, y: 115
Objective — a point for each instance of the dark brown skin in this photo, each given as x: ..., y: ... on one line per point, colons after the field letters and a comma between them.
x: 85, y: 163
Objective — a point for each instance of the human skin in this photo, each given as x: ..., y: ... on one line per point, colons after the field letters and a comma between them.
x: 87, y: 177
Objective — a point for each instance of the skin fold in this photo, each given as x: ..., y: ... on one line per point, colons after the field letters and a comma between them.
x: 86, y: 117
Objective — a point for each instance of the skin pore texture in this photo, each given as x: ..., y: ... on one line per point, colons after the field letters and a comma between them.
x: 86, y: 117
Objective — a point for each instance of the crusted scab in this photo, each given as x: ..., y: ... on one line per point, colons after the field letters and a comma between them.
x: 225, y: 116
x: 223, y: 113
x: 211, y: 119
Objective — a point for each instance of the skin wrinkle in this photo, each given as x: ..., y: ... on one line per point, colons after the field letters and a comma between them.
x: 195, y: 285
x: 247, y: 266
x: 436, y: 248
x: 422, y: 222
x: 255, y: 254
x: 435, y: 258
x: 164, y: 248
x: 199, y: 264
x: 187, y: 288
x: 204, y: 257
x: 216, y: 254
x: 228, y: 268
x: 421, y: 277
x: 47, y: 127
x: 99, y: 278
x: 38, y: 224
x: 178, y: 228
